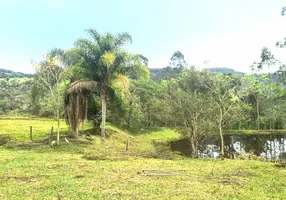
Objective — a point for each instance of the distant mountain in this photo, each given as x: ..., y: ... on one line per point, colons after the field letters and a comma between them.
x: 154, y: 71
x: 217, y: 70
x: 225, y: 71
x: 4, y: 73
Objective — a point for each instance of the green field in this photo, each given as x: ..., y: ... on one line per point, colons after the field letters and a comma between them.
x: 85, y: 169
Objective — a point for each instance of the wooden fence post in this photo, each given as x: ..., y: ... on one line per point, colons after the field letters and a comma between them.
x: 31, y: 133
x: 51, y: 135
x: 127, y: 143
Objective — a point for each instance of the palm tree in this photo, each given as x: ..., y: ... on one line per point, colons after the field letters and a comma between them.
x: 104, y: 61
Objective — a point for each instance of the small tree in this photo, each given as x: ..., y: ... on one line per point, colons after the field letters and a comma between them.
x: 223, y: 95
x: 49, y: 76
x: 195, y: 115
x: 254, y: 86
x: 192, y: 107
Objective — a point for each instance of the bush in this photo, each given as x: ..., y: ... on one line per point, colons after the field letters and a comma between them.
x: 282, y: 160
x: 249, y: 156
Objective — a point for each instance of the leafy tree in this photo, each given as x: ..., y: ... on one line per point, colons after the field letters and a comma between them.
x: 189, y: 102
x: 177, y: 63
x: 273, y: 93
x: 144, y: 60
x: 178, y: 60
x: 50, y: 75
x: 224, y: 97
x: 254, y: 86
x: 148, y: 103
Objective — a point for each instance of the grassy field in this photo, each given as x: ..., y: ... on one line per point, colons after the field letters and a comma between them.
x: 85, y: 169
x: 19, y: 129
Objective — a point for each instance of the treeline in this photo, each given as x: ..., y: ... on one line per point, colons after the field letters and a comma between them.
x: 7, y: 74
x: 255, y: 101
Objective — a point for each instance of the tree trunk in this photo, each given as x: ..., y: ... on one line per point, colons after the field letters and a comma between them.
x: 232, y: 149
x: 258, y: 115
x: 74, y: 132
x: 221, y: 136
x: 58, y: 134
x: 194, y: 147
x: 74, y: 116
x: 103, y: 107
x: 85, y: 113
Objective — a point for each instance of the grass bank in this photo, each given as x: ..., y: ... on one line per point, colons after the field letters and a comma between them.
x: 86, y: 169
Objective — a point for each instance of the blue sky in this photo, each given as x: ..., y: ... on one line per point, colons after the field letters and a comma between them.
x: 228, y: 33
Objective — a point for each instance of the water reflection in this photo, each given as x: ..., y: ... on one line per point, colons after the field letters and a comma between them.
x: 270, y: 147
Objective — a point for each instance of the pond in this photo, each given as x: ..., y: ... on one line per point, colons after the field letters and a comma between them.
x: 269, y: 147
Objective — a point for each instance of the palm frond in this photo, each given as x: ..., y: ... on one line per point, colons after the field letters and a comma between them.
x: 76, y: 102
x: 123, y: 38
x: 82, y: 87
x: 56, y: 52
x: 132, y: 66
x: 94, y: 34
x: 87, y: 47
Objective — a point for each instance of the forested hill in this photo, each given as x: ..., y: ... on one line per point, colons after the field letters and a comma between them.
x: 225, y: 71
x: 217, y: 70
x: 4, y: 73
x: 159, y: 74
x: 15, y: 92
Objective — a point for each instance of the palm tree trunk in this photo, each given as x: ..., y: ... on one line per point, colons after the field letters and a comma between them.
x: 103, y: 107
x: 85, y: 113
x: 74, y: 117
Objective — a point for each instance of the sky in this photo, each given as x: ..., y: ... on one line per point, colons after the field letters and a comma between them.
x: 226, y: 33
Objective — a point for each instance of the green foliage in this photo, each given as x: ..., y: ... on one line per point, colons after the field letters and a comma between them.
x: 146, y: 104
x: 14, y: 96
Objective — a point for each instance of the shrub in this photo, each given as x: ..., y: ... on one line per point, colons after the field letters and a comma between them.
x: 249, y: 156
